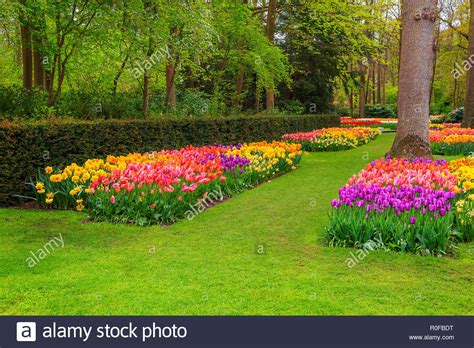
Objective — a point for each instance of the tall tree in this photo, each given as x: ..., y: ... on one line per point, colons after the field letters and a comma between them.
x: 26, y: 50
x: 416, y: 69
x: 469, y: 101
x: 271, y: 28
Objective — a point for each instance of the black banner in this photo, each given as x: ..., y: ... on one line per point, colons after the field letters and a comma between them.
x: 236, y: 332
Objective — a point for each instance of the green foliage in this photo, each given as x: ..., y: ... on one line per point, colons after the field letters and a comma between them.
x: 392, y: 95
x: 28, y: 146
x: 379, y: 111
x: 352, y: 227
x: 17, y: 102
x: 456, y: 116
x: 342, y: 111
x: 454, y: 149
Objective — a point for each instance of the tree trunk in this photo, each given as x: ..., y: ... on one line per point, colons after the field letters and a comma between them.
x: 270, y: 102
x: 271, y: 28
x: 351, y: 103
x: 38, y: 66
x: 119, y: 73
x: 416, y: 69
x: 379, y: 83
x: 170, y: 87
x: 374, y: 97
x: 26, y: 51
x: 362, y: 94
x: 455, y: 92
x: 257, y: 99
x: 368, y: 94
x: 468, y: 120
x: 436, y: 48
x: 238, y: 89
x: 146, y: 79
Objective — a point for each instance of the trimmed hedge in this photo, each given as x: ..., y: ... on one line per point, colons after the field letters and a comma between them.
x: 28, y: 147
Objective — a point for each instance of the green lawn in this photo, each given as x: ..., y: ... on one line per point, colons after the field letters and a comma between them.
x: 209, y: 266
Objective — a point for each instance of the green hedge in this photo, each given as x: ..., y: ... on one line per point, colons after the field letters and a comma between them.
x: 26, y: 147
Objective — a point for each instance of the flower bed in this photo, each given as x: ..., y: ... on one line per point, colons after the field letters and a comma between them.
x: 449, y: 139
x: 387, y: 123
x: 333, y: 139
x: 359, y: 122
x: 403, y: 205
x: 162, y: 187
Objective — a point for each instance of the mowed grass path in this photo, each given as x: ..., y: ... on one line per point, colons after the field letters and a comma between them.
x: 209, y: 266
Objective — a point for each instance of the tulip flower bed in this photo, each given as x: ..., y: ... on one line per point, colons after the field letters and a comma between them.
x: 406, y: 206
x: 162, y: 187
x: 450, y: 139
x: 333, y: 139
x: 387, y: 123
x: 359, y: 122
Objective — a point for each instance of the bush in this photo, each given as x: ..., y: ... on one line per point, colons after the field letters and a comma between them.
x: 26, y: 147
x: 380, y: 111
x: 456, y: 116
x: 342, y: 111
x: 91, y: 105
x: 18, y: 102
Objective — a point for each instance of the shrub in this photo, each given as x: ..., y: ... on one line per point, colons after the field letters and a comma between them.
x: 28, y: 146
x: 456, y: 116
x: 380, y: 111
x: 18, y: 102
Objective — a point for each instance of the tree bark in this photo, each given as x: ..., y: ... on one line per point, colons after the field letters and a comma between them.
x: 170, y: 86
x: 416, y: 69
x: 271, y: 28
x: 468, y: 120
x: 362, y: 89
x: 238, y: 89
x: 146, y: 80
x: 379, y: 83
x: 26, y: 51
x: 118, y: 74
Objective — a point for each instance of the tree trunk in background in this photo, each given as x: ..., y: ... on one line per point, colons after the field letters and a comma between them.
x: 416, y: 69
x: 362, y: 95
x: 379, y: 83
x: 271, y: 28
x: 455, y: 92
x: 38, y: 65
x: 145, y: 94
x: 468, y: 120
x: 436, y: 48
x: 351, y: 103
x: 238, y: 88
x: 170, y: 87
x: 118, y: 74
x: 373, y: 84
x: 257, y: 100
x: 368, y: 94
x: 26, y: 51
